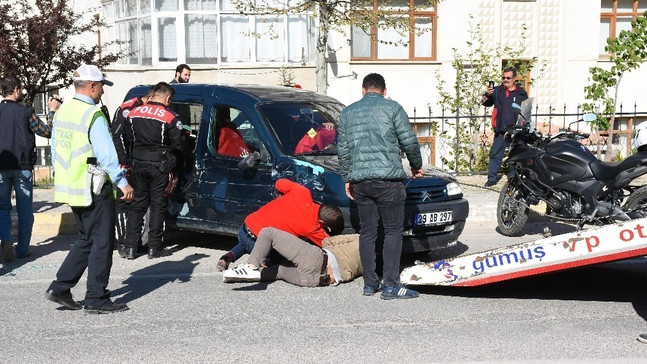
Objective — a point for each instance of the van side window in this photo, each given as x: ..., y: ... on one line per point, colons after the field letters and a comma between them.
x: 230, y: 133
x: 189, y: 114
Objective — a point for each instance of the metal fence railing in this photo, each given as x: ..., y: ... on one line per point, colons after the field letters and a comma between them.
x: 434, y: 124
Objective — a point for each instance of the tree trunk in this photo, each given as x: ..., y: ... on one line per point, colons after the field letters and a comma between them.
x: 475, y: 144
x: 322, y: 49
x: 612, y: 122
x: 598, y: 144
x: 609, y: 152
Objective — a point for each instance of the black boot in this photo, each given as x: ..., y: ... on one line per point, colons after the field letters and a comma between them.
x: 154, y: 253
x: 130, y: 253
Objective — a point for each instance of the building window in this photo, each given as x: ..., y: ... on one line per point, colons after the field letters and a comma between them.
x: 378, y: 44
x: 201, y: 42
x: 134, y: 26
x: 208, y: 32
x: 616, y: 16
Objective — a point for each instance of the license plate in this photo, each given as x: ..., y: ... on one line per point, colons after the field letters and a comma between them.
x: 433, y: 218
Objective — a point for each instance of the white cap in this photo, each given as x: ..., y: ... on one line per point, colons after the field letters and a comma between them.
x: 88, y: 72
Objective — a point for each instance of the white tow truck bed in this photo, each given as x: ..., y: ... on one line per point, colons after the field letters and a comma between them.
x: 592, y: 246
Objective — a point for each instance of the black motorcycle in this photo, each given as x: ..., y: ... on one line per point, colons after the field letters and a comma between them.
x: 560, y: 171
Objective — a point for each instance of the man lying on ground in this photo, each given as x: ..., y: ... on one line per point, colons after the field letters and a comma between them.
x: 294, y: 212
x: 305, y: 264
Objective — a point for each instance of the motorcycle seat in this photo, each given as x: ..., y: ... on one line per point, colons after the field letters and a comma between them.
x: 605, y: 170
x: 608, y: 170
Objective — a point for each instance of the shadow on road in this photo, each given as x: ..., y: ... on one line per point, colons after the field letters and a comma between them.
x: 259, y: 286
x: 37, y: 250
x: 148, y: 279
x: 179, y: 239
x: 46, y: 206
x: 622, y: 281
x: 175, y: 240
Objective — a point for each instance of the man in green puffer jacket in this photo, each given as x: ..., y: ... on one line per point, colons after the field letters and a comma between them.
x: 371, y: 134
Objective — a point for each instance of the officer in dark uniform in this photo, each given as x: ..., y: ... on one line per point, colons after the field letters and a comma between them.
x: 157, y: 141
x: 122, y: 137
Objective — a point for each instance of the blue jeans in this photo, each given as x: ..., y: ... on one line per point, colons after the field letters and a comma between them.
x: 21, y: 180
x: 496, y: 155
x: 380, y: 200
x: 245, y: 244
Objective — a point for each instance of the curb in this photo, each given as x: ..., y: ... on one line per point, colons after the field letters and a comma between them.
x: 52, y: 223
x: 49, y: 223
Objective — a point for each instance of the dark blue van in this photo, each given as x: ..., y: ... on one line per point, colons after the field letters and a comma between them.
x: 248, y: 136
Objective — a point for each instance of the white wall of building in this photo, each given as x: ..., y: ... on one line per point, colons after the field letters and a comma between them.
x: 565, y: 34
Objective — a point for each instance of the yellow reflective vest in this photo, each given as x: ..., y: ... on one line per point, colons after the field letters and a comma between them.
x: 71, y: 141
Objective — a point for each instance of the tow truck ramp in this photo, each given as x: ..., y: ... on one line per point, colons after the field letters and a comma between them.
x: 592, y: 246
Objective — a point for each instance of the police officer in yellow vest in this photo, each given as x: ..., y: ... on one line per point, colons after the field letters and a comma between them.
x: 85, y: 163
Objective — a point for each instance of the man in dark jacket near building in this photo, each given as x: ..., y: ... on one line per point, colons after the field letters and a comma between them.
x: 182, y: 74
x: 17, y: 158
x: 502, y: 97
x: 371, y: 133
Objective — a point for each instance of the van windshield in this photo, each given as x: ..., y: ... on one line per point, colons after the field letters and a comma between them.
x: 304, y: 128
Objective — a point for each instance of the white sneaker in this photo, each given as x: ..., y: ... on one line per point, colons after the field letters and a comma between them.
x: 242, y: 273
x: 642, y: 338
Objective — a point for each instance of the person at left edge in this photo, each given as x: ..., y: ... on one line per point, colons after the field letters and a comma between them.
x: 157, y: 141
x: 81, y: 136
x: 19, y: 124
x: 122, y: 138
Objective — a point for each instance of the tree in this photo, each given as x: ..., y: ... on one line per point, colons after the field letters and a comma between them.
x: 37, y: 43
x: 337, y: 15
x: 628, y: 51
x: 474, y: 69
x: 286, y: 77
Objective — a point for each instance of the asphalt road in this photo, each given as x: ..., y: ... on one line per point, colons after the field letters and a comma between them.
x: 182, y: 312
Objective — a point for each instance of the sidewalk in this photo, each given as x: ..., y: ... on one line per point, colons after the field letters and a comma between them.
x: 53, y: 219
x: 50, y: 218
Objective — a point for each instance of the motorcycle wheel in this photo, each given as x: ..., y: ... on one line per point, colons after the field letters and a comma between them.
x: 637, y: 202
x: 512, y: 212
